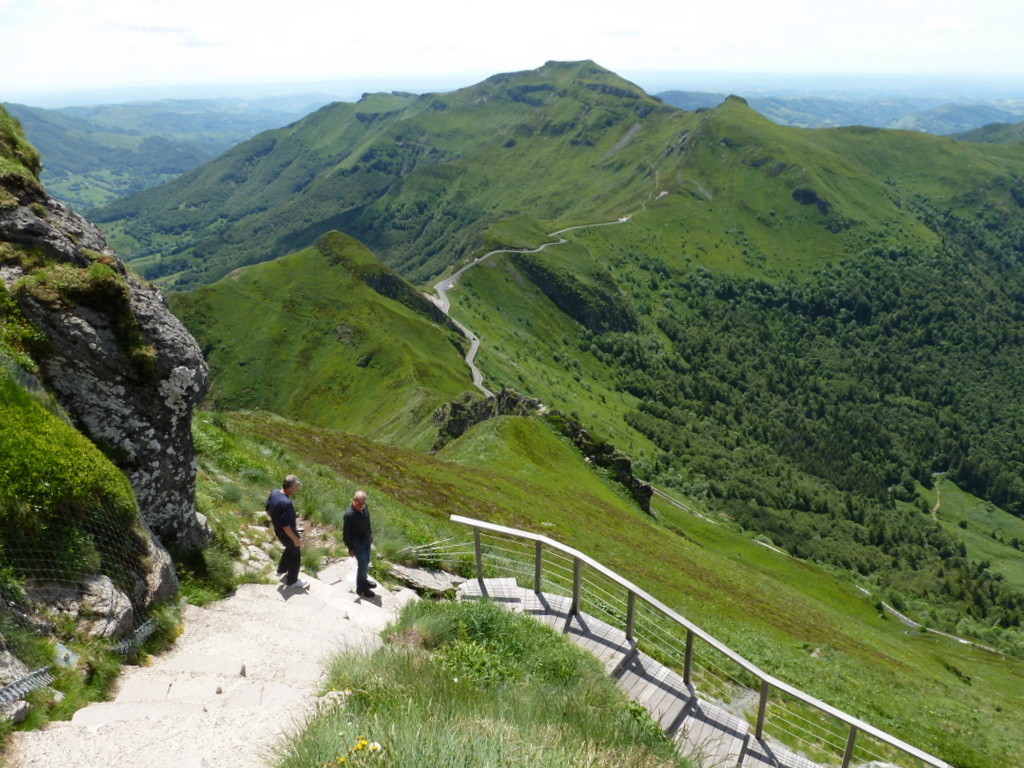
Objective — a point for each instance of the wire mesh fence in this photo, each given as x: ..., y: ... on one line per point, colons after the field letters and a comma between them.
x: 819, y: 734
x: 76, y: 559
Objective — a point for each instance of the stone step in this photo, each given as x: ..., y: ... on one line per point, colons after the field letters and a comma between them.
x: 171, y: 713
x: 159, y: 687
x: 107, y: 712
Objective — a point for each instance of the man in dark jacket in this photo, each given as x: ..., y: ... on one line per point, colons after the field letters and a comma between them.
x: 282, y: 515
x: 358, y: 536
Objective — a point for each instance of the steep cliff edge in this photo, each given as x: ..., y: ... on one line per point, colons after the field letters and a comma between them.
x: 119, y: 363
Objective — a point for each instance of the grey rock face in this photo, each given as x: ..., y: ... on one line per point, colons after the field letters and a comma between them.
x: 426, y: 580
x: 107, y: 611
x: 100, y: 607
x: 60, y: 235
x: 11, y: 668
x: 140, y: 412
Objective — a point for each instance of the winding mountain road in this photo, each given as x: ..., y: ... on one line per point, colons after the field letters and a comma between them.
x: 441, y: 288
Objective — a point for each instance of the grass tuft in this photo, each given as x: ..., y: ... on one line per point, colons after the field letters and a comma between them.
x: 425, y: 699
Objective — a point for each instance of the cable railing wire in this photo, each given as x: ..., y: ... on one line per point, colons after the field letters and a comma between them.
x: 719, y: 674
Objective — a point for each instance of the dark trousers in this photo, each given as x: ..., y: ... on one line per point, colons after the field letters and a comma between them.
x: 291, y: 559
x: 362, y: 553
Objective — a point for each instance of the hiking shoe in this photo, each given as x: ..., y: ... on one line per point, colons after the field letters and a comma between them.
x: 367, y: 593
x: 371, y: 584
x: 299, y: 584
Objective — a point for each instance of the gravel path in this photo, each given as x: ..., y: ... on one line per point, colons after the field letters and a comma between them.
x: 244, y: 672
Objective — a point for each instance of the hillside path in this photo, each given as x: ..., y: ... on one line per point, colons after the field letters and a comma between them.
x: 441, y: 288
x: 245, y: 671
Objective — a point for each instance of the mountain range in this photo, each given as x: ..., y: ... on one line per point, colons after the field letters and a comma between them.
x: 827, y: 299
x: 806, y: 335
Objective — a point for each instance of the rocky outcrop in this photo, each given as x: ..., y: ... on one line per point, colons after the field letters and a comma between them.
x: 426, y: 581
x: 455, y: 417
x: 93, y: 602
x: 119, y: 363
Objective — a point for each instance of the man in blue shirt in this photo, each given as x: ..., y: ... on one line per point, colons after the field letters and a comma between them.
x: 358, y: 536
x: 282, y: 515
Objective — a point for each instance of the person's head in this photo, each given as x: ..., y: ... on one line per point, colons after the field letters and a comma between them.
x: 359, y: 500
x: 291, y: 485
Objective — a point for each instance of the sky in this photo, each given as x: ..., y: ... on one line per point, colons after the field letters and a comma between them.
x: 64, y: 46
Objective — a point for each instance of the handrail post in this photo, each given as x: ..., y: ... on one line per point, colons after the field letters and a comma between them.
x: 692, y: 633
x: 848, y: 756
x: 688, y: 663
x: 537, y: 565
x: 630, y: 607
x: 761, y: 708
x: 479, y: 557
x: 577, y: 564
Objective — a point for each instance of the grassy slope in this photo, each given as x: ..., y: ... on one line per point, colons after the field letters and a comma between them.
x: 18, y: 159
x: 304, y: 337
x: 950, y: 699
x: 418, y: 186
x: 984, y: 528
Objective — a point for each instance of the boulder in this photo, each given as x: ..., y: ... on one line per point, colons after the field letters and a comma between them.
x: 105, y: 610
x: 424, y: 580
x: 95, y: 601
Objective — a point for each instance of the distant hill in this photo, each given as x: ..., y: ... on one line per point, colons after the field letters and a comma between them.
x: 692, y: 100
x: 92, y: 155
x: 994, y: 133
x: 954, y: 118
x: 810, y: 112
x: 926, y: 115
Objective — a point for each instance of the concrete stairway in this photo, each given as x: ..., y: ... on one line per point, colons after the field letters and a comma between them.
x: 245, y: 671
x: 703, y: 730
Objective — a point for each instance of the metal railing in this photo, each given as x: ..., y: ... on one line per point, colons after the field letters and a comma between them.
x: 25, y: 685
x: 713, y: 670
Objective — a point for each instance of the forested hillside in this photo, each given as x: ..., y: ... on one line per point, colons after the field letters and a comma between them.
x: 995, y: 133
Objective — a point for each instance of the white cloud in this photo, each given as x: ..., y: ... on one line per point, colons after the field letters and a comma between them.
x: 65, y: 44
x: 947, y: 22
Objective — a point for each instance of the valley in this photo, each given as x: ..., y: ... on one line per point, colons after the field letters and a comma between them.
x: 805, y: 337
